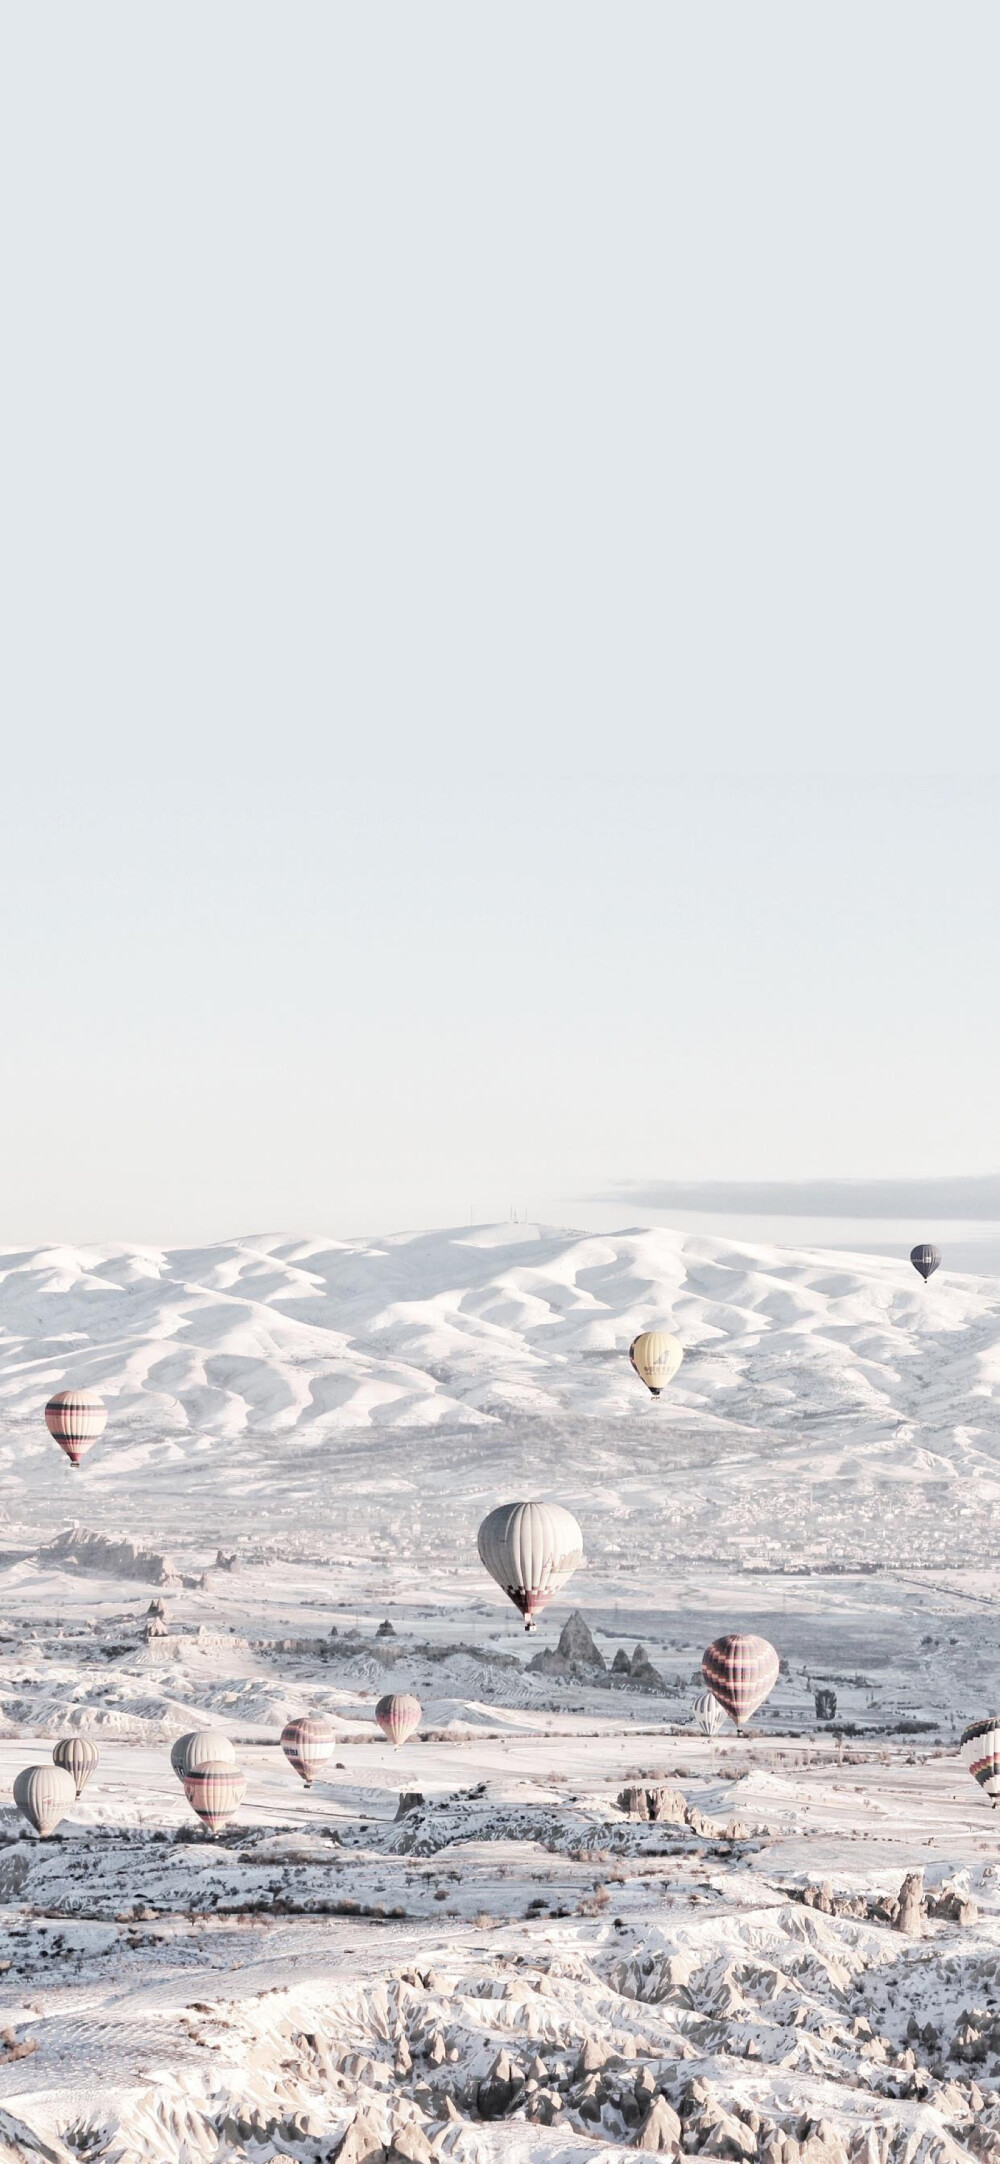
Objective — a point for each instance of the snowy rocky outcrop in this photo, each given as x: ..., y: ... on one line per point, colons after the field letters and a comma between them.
x: 576, y: 1656
x: 120, y: 1557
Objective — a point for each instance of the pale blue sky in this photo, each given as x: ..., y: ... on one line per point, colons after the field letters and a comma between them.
x: 446, y: 452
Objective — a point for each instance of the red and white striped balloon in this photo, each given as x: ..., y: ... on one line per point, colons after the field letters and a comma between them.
x: 307, y: 1744
x: 76, y: 1418
x: 398, y: 1716
x: 740, y: 1670
x: 980, y: 1748
x: 215, y: 1793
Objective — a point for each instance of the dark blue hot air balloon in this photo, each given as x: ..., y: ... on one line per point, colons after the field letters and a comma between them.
x: 925, y: 1259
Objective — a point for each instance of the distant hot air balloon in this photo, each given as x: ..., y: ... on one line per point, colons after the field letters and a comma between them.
x: 398, y: 1716
x: 205, y: 1747
x: 78, y: 1756
x: 926, y: 1259
x: 178, y: 1752
x: 708, y: 1713
x: 215, y: 1792
x: 980, y: 1748
x: 307, y: 1744
x: 76, y: 1418
x: 656, y: 1357
x: 43, y: 1795
x: 530, y: 1549
x: 740, y: 1670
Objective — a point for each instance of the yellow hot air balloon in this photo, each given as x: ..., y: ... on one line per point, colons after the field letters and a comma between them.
x: 656, y: 1357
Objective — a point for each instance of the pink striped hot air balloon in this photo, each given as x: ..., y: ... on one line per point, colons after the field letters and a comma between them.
x: 76, y: 1418
x: 398, y: 1716
x: 215, y: 1793
x: 307, y: 1744
x: 740, y: 1670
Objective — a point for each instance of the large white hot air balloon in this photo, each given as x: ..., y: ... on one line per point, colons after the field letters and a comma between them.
x: 980, y: 1748
x: 78, y: 1756
x: 530, y: 1549
x: 307, y: 1744
x: 76, y: 1418
x: 656, y: 1357
x: 43, y: 1795
x: 708, y: 1713
x: 205, y: 1747
x: 215, y: 1793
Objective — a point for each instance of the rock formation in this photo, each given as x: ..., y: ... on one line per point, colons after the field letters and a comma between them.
x: 575, y: 1657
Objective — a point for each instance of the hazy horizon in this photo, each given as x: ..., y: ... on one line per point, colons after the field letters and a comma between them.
x: 499, y: 550
x: 970, y: 1245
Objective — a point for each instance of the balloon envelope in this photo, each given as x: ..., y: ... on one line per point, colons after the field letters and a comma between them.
x: 307, y: 1744
x: 926, y: 1259
x: 178, y: 1752
x: 76, y: 1418
x: 215, y: 1793
x: 78, y: 1757
x: 43, y: 1795
x: 398, y: 1715
x: 530, y: 1549
x: 206, y: 1747
x: 708, y: 1713
x: 740, y: 1670
x: 980, y: 1748
x: 656, y: 1357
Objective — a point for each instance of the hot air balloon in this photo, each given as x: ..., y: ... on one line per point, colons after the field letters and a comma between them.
x: 205, y: 1747
x: 79, y: 1758
x: 708, y: 1713
x: 980, y: 1748
x: 740, y: 1670
x: 215, y: 1793
x: 307, y: 1744
x: 76, y: 1418
x: 178, y: 1753
x: 926, y: 1259
x: 656, y: 1357
x: 398, y: 1716
x: 530, y: 1549
x: 43, y: 1795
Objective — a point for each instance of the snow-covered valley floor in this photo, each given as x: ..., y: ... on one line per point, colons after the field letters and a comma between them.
x: 303, y: 1438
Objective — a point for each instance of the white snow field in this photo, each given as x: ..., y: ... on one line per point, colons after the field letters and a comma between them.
x: 303, y: 1438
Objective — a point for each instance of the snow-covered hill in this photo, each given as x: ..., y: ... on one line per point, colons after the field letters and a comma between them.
x: 303, y: 1438
x: 277, y: 1335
